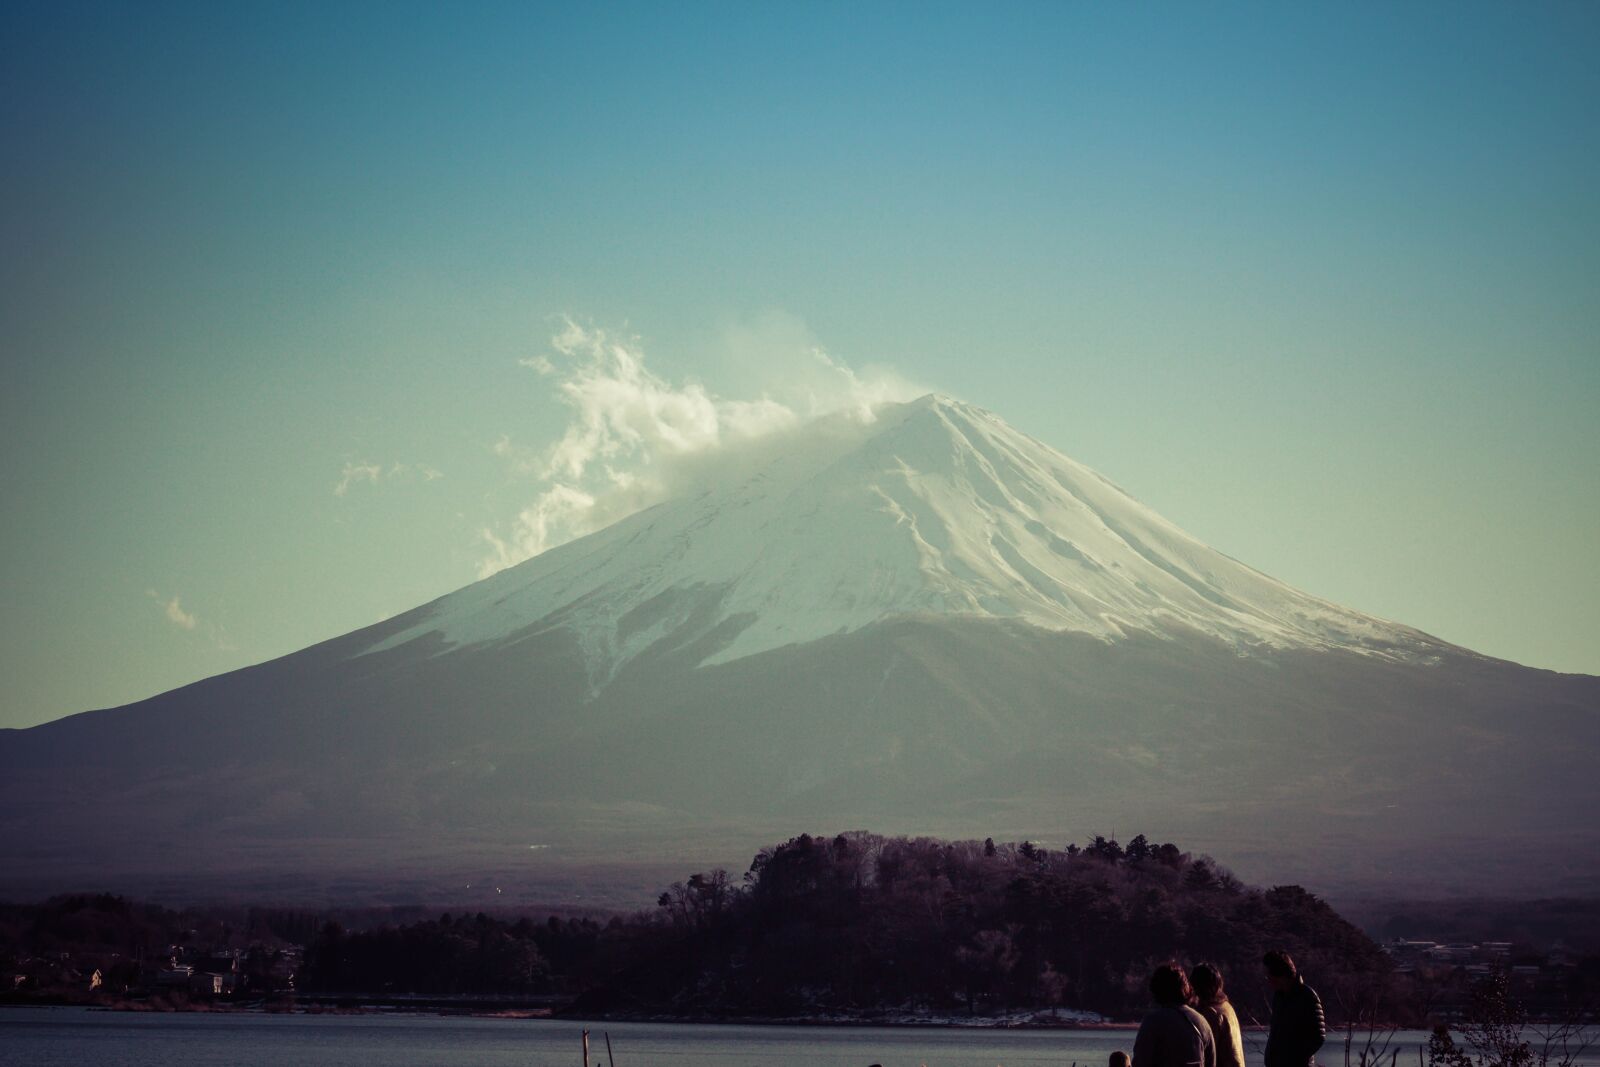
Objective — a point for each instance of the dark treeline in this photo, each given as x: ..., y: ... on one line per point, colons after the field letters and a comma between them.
x: 97, y: 922
x: 103, y: 923
x: 860, y: 922
x: 853, y: 924
x: 445, y: 956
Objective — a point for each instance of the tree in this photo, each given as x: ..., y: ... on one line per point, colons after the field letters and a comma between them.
x: 985, y: 964
x: 1100, y: 848
x: 1138, y: 850
x: 1492, y: 1030
x: 1200, y: 877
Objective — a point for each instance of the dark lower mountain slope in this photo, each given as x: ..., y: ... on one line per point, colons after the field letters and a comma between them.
x: 409, y: 773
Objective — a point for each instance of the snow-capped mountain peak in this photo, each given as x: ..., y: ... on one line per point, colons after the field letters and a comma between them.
x: 933, y: 508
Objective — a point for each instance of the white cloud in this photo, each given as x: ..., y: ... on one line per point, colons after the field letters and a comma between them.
x: 519, y: 458
x: 178, y: 617
x: 357, y: 472
x: 774, y: 352
x: 634, y: 438
x: 541, y: 525
x: 376, y: 473
x: 173, y: 610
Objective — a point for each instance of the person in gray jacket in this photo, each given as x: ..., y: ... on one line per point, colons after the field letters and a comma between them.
x: 1173, y: 1034
x: 1298, y: 1025
x: 1211, y: 1001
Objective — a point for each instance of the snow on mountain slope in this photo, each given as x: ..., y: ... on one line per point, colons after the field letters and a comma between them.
x: 935, y: 507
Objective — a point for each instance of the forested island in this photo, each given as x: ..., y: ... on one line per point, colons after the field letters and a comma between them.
x: 852, y: 926
x: 859, y: 922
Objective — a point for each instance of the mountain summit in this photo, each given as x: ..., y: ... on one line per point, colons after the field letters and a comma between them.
x: 935, y: 508
x: 924, y: 622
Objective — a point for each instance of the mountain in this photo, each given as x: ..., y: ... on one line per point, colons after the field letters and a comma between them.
x: 928, y: 622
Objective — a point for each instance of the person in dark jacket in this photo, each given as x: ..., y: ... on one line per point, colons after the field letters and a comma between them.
x: 1298, y: 1026
x: 1173, y: 1034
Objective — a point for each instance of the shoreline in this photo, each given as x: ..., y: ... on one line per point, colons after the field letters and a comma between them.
x: 490, y: 1009
x: 478, y: 1008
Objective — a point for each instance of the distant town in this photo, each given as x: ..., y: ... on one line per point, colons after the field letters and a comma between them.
x: 190, y: 971
x: 1540, y: 979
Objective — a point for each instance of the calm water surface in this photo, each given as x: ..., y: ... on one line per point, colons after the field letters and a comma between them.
x: 45, y: 1037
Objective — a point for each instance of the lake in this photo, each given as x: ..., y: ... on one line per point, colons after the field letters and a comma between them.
x: 70, y: 1037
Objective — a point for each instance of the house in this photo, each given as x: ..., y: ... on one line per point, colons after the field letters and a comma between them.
x: 206, y: 985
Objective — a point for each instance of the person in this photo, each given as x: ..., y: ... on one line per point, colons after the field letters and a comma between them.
x: 1119, y: 1058
x: 1298, y: 1025
x: 1173, y: 1034
x: 1212, y: 1003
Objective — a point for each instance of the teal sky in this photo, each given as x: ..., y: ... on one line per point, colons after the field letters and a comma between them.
x: 1321, y: 284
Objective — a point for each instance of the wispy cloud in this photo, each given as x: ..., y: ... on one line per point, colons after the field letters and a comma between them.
x: 560, y: 513
x: 370, y: 473
x: 176, y: 614
x: 355, y: 473
x: 172, y: 608
x: 178, y: 617
x: 632, y: 434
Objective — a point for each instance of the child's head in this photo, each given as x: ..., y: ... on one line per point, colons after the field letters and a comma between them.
x: 1119, y: 1059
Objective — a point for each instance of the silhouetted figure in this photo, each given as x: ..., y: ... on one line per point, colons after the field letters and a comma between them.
x: 1212, y: 1003
x: 1119, y: 1058
x: 1298, y: 1025
x: 1173, y: 1034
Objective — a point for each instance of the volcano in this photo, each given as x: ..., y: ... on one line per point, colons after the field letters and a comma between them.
x: 921, y: 622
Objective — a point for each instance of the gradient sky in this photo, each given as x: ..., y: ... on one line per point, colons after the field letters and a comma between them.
x: 1320, y: 284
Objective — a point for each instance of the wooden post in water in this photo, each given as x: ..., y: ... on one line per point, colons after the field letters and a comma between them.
x: 609, y: 1060
x: 586, y: 1048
